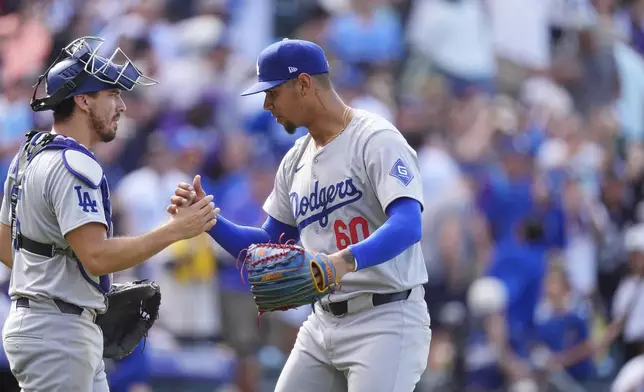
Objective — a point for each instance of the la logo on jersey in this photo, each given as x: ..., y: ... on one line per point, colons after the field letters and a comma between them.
x: 399, y: 170
x: 319, y: 204
x: 85, y: 200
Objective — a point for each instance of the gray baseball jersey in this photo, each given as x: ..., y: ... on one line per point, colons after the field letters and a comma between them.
x: 337, y: 196
x: 53, y: 202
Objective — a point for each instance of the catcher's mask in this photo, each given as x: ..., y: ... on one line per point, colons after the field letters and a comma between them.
x: 79, y: 69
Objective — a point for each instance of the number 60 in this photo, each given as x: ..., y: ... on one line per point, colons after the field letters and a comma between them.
x: 346, y: 235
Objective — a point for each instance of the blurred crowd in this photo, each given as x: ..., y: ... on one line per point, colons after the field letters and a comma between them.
x: 528, y: 120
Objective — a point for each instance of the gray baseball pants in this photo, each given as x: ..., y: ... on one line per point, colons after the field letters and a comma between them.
x: 379, y: 349
x: 52, y: 351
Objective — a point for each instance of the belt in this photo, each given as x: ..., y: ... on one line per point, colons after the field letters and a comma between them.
x: 64, y: 307
x: 339, y: 309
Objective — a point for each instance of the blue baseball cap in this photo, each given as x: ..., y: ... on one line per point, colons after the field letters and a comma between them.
x: 285, y: 60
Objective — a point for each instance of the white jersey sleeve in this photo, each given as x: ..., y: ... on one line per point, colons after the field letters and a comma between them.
x: 392, y: 167
x: 74, y: 202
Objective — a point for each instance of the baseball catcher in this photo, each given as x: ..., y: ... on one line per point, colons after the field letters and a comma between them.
x: 57, y: 232
x: 286, y: 276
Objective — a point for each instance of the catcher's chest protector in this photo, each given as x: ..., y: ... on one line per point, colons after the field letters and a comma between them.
x: 37, y: 142
x: 132, y: 307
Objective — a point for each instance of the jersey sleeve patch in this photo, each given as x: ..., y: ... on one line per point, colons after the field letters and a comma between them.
x: 84, y: 167
x: 399, y: 170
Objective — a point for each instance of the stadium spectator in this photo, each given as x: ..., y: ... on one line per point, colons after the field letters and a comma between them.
x: 562, y: 325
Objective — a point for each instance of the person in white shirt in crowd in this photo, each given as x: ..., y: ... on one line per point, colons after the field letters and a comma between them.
x: 456, y: 37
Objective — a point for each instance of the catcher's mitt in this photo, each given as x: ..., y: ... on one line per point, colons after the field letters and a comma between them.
x: 282, y: 276
x: 132, y: 310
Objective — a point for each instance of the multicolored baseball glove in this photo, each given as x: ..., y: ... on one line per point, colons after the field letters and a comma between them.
x: 132, y: 310
x: 283, y: 276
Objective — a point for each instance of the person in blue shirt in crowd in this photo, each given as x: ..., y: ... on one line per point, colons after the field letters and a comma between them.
x: 562, y: 324
x: 366, y: 35
x: 519, y: 264
x: 525, y: 224
x: 511, y: 193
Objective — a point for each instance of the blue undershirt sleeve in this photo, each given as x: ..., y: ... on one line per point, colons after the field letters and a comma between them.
x: 402, y: 229
x: 280, y: 232
x: 235, y: 238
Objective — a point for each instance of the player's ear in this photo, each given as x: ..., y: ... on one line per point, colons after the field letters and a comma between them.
x: 82, y: 102
x: 304, y: 83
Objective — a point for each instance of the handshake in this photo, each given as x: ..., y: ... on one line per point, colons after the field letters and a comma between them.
x: 192, y: 212
x: 282, y: 275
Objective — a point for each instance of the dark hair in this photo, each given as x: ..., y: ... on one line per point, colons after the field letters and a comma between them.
x: 65, y: 109
x: 533, y: 230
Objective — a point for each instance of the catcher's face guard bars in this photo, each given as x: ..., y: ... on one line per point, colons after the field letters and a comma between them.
x: 124, y: 76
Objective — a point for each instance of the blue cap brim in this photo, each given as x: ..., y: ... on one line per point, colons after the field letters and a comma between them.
x: 262, y: 86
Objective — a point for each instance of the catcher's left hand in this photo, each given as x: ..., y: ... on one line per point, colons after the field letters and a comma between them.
x: 284, y: 276
x: 132, y: 310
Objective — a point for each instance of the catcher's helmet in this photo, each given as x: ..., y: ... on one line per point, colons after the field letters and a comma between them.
x: 79, y: 69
